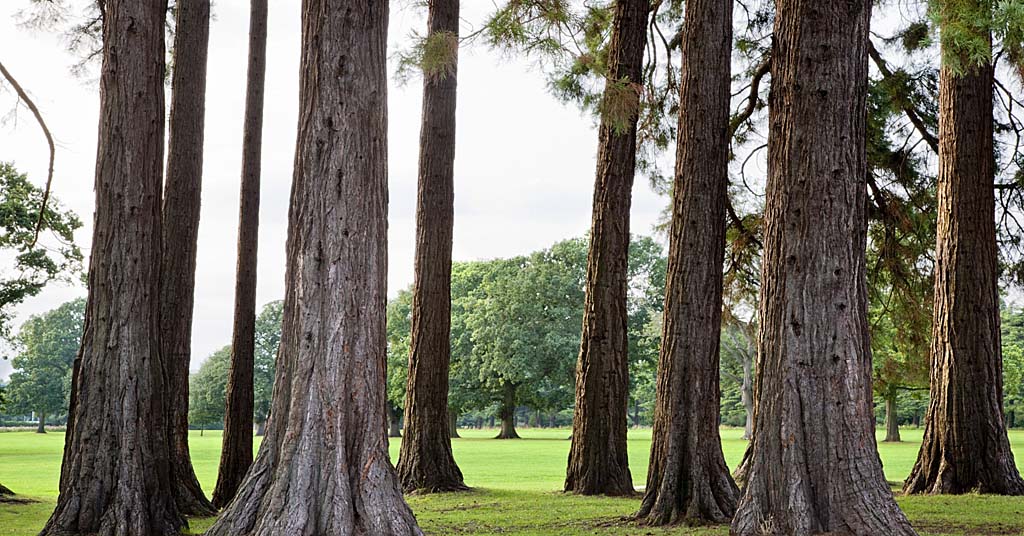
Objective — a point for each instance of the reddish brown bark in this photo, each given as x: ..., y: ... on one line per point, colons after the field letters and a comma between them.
x: 814, y: 466
x: 598, y: 461
x: 426, y: 463
x: 688, y: 479
x: 180, y: 235
x: 236, y: 454
x: 116, y: 476
x: 965, y: 445
x: 323, y: 467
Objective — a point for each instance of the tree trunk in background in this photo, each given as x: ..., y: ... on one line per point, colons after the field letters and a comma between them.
x: 507, y: 413
x: 453, y: 424
x: 323, y: 467
x: 688, y: 479
x: 747, y: 396
x: 179, y: 238
x: 236, y: 454
x: 598, y: 460
x: 425, y: 461
x: 394, y: 420
x: 814, y: 464
x: 965, y: 447
x: 116, y: 476
x: 261, y: 428
x: 41, y: 428
x: 892, y: 422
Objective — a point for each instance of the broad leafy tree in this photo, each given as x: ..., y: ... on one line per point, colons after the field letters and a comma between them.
x: 33, y: 263
x: 47, y: 345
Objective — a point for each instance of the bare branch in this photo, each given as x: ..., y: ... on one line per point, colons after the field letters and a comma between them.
x: 49, y: 140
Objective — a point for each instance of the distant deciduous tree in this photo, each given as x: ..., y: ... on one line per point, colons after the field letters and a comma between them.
x: 47, y: 345
x: 34, y: 264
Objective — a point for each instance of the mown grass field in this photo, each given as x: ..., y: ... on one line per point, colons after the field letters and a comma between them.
x: 516, y: 488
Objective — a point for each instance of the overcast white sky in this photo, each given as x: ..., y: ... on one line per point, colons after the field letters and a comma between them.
x: 524, y: 162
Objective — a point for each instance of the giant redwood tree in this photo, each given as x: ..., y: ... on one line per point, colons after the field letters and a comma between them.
x: 965, y: 445
x: 598, y: 461
x: 236, y: 452
x: 116, y: 477
x: 425, y: 462
x: 323, y: 467
x: 688, y: 478
x: 814, y: 464
x: 180, y: 234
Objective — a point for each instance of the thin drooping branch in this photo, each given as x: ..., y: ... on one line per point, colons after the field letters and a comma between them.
x: 910, y: 111
x: 31, y: 105
x: 755, y: 83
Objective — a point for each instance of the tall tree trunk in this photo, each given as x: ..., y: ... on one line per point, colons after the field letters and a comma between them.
x: 425, y: 462
x: 688, y: 478
x: 453, y: 423
x: 747, y: 396
x: 323, y: 467
x: 965, y: 445
x: 116, y: 476
x: 814, y: 463
x: 598, y: 459
x: 236, y: 454
x: 180, y: 235
x: 507, y: 413
x: 892, y: 423
x: 41, y: 428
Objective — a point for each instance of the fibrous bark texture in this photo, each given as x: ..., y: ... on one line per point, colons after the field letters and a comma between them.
x: 180, y: 235
x: 965, y: 446
x: 323, y: 467
x: 814, y: 464
x: 236, y: 454
x: 116, y: 477
x: 598, y: 461
x: 688, y: 479
x: 425, y: 462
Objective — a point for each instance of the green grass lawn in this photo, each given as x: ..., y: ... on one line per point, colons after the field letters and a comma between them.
x: 516, y: 488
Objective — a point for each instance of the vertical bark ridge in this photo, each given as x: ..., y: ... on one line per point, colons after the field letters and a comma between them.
x: 116, y: 475
x: 181, y: 206
x: 598, y: 461
x: 236, y: 454
x: 965, y: 445
x: 323, y: 467
x: 426, y: 463
x: 688, y: 479
x: 814, y: 466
